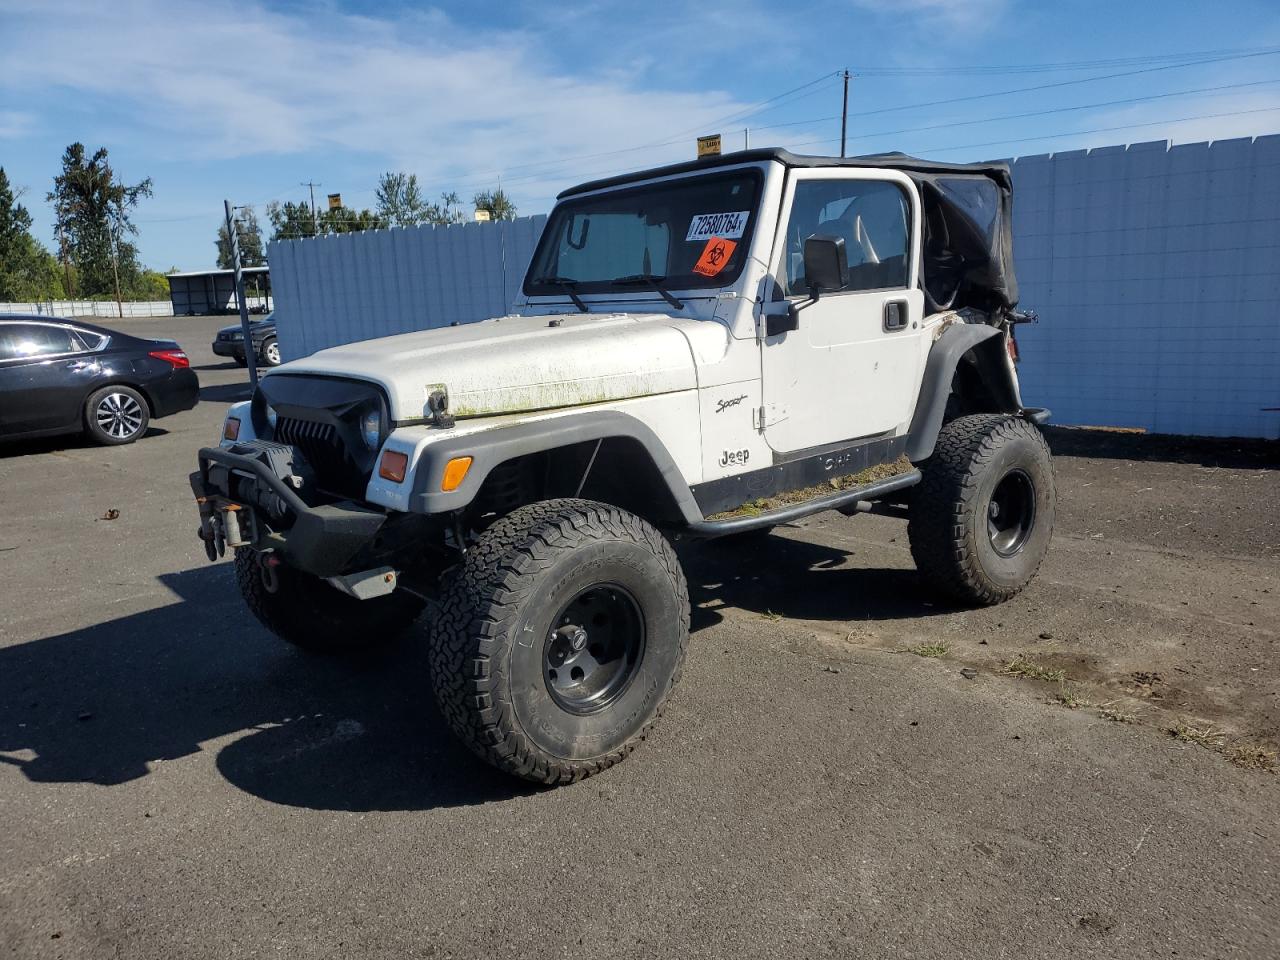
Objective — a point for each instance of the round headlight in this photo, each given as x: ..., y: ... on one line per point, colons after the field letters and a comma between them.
x: 371, y: 428
x: 272, y: 417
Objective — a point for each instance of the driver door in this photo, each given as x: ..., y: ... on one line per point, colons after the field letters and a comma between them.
x: 852, y: 369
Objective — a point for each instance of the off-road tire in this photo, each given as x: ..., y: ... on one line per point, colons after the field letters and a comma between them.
x: 948, y: 517
x: 493, y: 632
x: 310, y: 614
x: 134, y: 415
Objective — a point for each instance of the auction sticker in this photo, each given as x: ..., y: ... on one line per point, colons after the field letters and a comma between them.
x: 729, y: 226
x: 715, y: 255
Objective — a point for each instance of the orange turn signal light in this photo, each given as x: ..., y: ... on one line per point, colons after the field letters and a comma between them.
x: 393, y: 466
x: 455, y: 471
x: 231, y: 429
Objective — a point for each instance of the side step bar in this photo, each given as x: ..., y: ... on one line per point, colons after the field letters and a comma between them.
x: 846, y: 501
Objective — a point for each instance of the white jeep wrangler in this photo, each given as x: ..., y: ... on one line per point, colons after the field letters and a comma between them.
x: 690, y: 339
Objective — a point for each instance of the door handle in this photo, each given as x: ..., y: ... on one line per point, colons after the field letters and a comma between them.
x: 896, y: 316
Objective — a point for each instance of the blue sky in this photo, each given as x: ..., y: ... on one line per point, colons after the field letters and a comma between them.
x: 247, y: 99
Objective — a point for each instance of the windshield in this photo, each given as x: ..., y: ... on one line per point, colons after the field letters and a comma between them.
x: 688, y: 234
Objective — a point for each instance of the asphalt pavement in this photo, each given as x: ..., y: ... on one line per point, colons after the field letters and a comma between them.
x: 174, y: 782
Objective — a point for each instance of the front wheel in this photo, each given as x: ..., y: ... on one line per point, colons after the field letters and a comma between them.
x: 559, y: 637
x: 981, y: 519
x: 271, y: 353
x: 310, y: 614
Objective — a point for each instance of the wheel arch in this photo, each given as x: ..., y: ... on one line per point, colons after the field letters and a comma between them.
x: 604, y: 455
x: 115, y: 382
x: 967, y: 362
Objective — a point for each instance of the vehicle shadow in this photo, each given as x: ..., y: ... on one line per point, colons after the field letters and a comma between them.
x: 800, y: 580
x: 107, y: 703
x: 225, y: 365
x: 1233, y: 453
x: 225, y: 392
x: 65, y: 441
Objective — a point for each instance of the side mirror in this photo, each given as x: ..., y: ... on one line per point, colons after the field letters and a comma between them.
x: 826, y: 265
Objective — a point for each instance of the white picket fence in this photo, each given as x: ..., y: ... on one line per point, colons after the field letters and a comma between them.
x: 91, y: 308
x: 104, y: 309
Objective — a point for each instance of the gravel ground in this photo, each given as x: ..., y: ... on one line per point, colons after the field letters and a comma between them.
x: 175, y: 782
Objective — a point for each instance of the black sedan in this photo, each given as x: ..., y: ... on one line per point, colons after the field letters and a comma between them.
x: 64, y: 376
x: 230, y: 342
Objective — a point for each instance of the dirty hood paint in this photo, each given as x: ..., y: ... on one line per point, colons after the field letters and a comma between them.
x: 517, y: 364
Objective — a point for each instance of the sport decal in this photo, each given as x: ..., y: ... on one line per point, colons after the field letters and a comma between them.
x: 715, y: 256
x: 727, y: 225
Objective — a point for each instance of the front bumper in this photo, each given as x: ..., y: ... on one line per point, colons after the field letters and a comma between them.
x: 229, y: 348
x: 244, y: 503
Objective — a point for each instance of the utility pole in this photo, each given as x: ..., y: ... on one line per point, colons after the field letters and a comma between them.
x: 115, y: 255
x: 746, y: 138
x: 250, y: 356
x: 66, y: 264
x: 844, y: 113
x: 315, y: 224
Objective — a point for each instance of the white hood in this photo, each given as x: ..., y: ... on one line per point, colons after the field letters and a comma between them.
x: 516, y: 364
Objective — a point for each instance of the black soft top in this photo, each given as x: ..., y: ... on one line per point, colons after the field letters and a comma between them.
x: 968, y: 218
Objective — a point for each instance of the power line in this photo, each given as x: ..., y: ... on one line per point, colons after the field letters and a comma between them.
x: 1062, y: 83
x: 1053, y: 67
x: 1036, y: 113
x: 1072, y: 133
x: 549, y: 165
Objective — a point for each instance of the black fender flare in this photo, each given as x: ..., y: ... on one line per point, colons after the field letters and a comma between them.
x: 489, y: 448
x: 940, y: 369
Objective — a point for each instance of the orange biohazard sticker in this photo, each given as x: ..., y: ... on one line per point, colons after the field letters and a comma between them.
x: 715, y: 256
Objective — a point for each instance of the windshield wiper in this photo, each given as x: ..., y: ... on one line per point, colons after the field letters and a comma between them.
x: 566, y: 284
x: 652, y: 280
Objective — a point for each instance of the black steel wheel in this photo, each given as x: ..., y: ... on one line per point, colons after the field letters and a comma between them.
x: 592, y: 652
x: 1011, y: 512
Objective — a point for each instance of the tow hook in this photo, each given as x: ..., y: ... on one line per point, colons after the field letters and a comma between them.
x: 228, y: 526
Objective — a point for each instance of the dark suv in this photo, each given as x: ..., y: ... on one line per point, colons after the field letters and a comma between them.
x: 230, y: 342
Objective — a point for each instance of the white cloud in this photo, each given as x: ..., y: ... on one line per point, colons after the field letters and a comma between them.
x: 225, y: 80
x: 14, y: 125
x: 960, y: 15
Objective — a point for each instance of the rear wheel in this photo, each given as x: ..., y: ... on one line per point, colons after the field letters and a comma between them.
x: 981, y: 519
x: 115, y: 415
x: 559, y: 638
x: 307, y: 612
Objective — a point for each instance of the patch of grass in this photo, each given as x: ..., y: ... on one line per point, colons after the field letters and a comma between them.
x: 1252, y: 756
x: 1068, y: 697
x: 1028, y: 669
x: 770, y: 615
x: 930, y: 649
x: 1186, y: 732
x: 1108, y: 711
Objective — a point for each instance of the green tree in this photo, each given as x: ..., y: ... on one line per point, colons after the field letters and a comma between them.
x: 497, y: 203
x: 290, y: 221
x: 92, y: 208
x: 27, y: 270
x: 293, y: 221
x: 249, y: 234
x: 400, y: 203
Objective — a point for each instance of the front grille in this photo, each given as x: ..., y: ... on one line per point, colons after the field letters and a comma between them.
x: 335, y: 469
